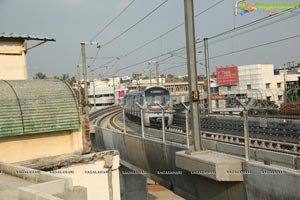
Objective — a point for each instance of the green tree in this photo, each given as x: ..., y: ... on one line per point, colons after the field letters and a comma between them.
x: 40, y: 75
x: 67, y: 78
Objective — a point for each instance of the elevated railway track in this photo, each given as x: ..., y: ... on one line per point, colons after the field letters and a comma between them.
x: 111, y: 118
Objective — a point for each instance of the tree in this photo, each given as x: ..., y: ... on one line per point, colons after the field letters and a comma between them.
x: 40, y: 75
x: 68, y: 79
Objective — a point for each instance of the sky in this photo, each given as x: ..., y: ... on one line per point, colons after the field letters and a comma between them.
x: 71, y: 22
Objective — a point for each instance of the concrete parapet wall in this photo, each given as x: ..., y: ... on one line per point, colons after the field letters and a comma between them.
x: 271, y: 182
x: 27, y: 147
x: 271, y: 157
x: 153, y: 156
x: 44, y: 185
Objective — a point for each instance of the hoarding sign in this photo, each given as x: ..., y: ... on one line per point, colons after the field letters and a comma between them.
x: 227, y: 76
x: 217, y: 97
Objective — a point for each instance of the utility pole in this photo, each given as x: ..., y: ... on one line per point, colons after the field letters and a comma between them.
x: 86, y: 107
x: 207, y: 74
x: 192, y: 72
x: 150, y: 75
x: 114, y: 89
x: 79, y: 86
x: 157, y: 72
x: 94, y: 95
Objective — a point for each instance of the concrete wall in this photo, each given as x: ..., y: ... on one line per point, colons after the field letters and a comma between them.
x: 95, y: 177
x: 153, y: 156
x: 158, y: 160
x: 13, y: 59
x: 43, y: 185
x: 133, y: 186
x: 271, y: 182
x: 27, y: 147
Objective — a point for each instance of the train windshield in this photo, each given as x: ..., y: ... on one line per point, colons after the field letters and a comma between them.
x: 154, y: 96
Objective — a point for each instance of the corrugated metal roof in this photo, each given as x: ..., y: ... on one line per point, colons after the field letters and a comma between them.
x: 37, y: 106
x: 25, y: 36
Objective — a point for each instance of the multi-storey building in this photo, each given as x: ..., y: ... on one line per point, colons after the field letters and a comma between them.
x: 247, y: 82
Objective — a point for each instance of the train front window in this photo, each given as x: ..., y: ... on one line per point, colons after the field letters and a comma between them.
x: 157, y: 95
x: 154, y: 99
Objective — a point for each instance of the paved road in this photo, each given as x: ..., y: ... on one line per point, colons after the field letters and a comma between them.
x: 158, y: 192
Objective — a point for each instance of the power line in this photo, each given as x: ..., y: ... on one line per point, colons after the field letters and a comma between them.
x: 141, y: 62
x: 111, y: 21
x: 253, y: 47
x: 212, y: 37
x: 102, y: 57
x: 251, y: 23
x: 110, y: 61
x: 241, y: 50
x: 253, y: 29
x: 172, y: 29
x: 247, y: 26
x: 94, y: 57
x: 139, y: 21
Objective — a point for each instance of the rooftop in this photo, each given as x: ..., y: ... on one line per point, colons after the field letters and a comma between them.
x: 25, y: 36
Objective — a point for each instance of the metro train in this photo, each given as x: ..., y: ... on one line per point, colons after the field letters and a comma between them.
x: 152, y: 112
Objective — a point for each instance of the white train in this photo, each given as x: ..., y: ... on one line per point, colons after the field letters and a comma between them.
x: 150, y: 97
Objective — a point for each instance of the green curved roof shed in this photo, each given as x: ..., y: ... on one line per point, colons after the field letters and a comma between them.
x: 37, y: 106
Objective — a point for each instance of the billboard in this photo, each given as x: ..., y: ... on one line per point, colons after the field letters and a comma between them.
x: 227, y: 76
x: 217, y: 97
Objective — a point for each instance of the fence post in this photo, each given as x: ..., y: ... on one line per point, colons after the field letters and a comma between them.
x: 142, y: 118
x: 124, y: 117
x: 187, y: 109
x: 246, y: 134
x: 246, y: 128
x: 163, y: 122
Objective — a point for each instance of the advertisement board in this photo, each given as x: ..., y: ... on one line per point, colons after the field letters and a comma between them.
x: 227, y: 76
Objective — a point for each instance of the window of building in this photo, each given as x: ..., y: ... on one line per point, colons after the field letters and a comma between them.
x: 249, y: 87
x: 268, y: 85
x: 217, y: 103
x: 278, y: 85
x: 229, y: 88
x: 279, y: 97
x: 268, y: 98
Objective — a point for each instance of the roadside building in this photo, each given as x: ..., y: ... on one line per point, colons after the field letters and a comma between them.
x: 13, y: 49
x: 257, y: 82
x: 104, y: 93
x: 38, y: 118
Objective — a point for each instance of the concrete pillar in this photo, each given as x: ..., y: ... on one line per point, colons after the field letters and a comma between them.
x: 133, y: 186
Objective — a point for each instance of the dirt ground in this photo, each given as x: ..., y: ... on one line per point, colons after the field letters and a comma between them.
x: 158, y: 192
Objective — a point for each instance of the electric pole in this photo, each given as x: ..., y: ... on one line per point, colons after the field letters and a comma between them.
x: 79, y: 86
x: 86, y: 102
x: 150, y: 76
x: 94, y: 95
x: 114, y: 89
x: 86, y: 107
x: 157, y: 72
x: 192, y: 72
x: 207, y: 74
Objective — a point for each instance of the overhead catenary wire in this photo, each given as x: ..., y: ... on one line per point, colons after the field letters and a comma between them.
x: 253, y: 47
x: 111, y: 21
x: 94, y: 60
x: 135, y: 24
x: 247, y: 26
x: 221, y: 55
x: 240, y: 50
x: 170, y: 30
x: 250, y: 24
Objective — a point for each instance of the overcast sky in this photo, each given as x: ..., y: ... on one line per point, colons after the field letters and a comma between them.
x: 73, y: 21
